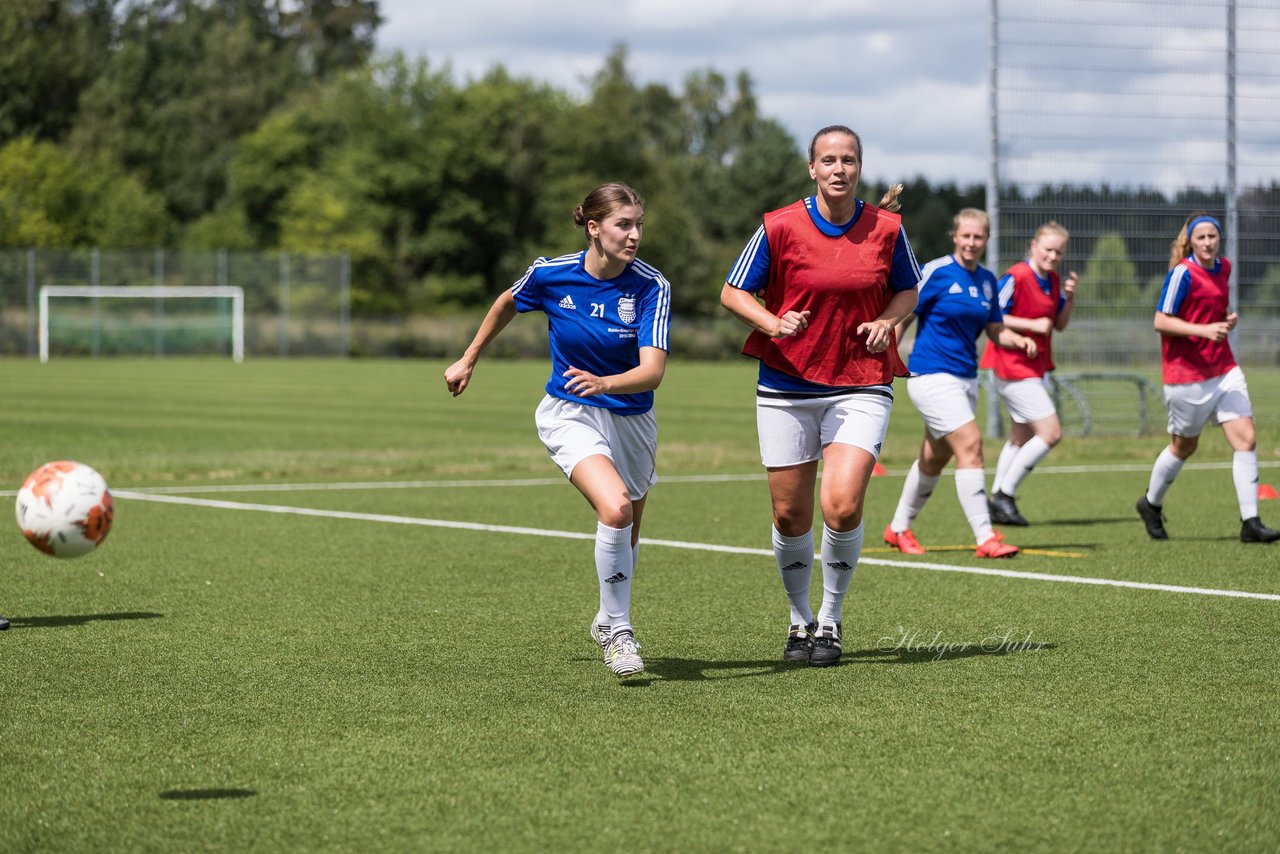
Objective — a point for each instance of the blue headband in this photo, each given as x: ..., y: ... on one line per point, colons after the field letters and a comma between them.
x: 1191, y: 226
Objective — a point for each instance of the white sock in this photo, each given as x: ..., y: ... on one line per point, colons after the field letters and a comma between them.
x: 1163, y: 474
x: 916, y: 490
x: 795, y: 565
x: 973, y: 501
x: 840, y: 553
x: 1244, y: 471
x: 614, y: 567
x: 602, y: 619
x: 1007, y: 455
x: 1028, y: 455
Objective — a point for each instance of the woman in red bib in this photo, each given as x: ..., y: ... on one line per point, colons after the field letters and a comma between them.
x: 1201, y: 377
x: 1035, y: 302
x: 836, y: 276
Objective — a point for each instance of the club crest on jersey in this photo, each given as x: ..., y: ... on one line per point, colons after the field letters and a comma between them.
x: 973, y: 291
x: 627, y: 309
x: 986, y: 290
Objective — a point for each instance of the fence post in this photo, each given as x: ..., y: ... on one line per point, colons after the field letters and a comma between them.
x: 159, y: 304
x: 344, y: 304
x: 222, y: 283
x: 32, y: 347
x: 282, y: 336
x: 95, y: 279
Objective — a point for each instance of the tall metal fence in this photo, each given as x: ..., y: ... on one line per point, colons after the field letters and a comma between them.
x: 294, y: 305
x: 1117, y: 118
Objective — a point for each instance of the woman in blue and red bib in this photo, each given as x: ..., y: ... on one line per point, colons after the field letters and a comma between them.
x: 1201, y: 377
x: 836, y: 276
x: 1035, y: 302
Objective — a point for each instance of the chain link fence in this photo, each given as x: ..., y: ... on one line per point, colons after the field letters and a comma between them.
x: 295, y: 305
x: 1117, y: 118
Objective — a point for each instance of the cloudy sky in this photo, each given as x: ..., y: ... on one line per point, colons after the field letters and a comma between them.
x: 1122, y: 91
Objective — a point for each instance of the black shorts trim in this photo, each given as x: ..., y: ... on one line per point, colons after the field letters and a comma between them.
x: 835, y: 392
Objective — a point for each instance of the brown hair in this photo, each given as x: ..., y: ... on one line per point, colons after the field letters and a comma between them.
x: 1181, y: 246
x: 890, y: 200
x: 604, y: 200
x: 813, y: 143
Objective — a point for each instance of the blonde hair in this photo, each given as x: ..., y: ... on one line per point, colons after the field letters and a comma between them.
x: 1181, y: 246
x: 975, y: 214
x: 604, y: 200
x: 889, y: 201
x: 1050, y: 226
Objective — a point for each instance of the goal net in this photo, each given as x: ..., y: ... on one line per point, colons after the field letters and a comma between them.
x: 99, y: 319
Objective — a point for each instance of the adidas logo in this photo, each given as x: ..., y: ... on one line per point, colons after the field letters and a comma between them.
x: 614, y: 579
x: 567, y: 302
x: 956, y: 289
x: 794, y: 566
x: 839, y: 565
x: 878, y: 444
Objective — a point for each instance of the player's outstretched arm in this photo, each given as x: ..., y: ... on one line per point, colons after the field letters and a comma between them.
x: 458, y: 375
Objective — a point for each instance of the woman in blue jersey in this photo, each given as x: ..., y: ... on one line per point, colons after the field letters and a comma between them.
x: 836, y: 276
x: 608, y: 315
x: 957, y: 302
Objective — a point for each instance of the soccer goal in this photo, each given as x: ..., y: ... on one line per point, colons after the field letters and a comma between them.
x: 1104, y: 404
x: 49, y: 293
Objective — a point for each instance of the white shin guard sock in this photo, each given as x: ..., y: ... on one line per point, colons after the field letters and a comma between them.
x: 970, y: 489
x: 1163, y: 473
x: 795, y: 565
x: 1008, y: 454
x: 615, y: 562
x: 840, y: 553
x: 916, y: 490
x: 1244, y: 471
x: 1031, y: 453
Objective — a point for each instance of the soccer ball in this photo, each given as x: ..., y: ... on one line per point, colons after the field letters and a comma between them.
x: 64, y: 509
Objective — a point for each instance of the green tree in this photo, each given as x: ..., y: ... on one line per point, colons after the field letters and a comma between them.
x: 53, y: 50
x: 51, y: 198
x: 1110, y: 277
x: 189, y: 77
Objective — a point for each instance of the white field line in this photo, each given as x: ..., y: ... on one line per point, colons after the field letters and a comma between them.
x: 553, y: 481
x: 677, y: 544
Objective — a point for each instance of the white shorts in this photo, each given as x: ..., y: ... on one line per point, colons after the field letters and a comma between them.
x: 574, y: 431
x: 946, y: 402
x: 1191, y: 405
x: 1028, y: 401
x: 794, y: 430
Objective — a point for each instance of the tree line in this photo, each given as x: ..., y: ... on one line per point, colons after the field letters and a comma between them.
x: 259, y: 125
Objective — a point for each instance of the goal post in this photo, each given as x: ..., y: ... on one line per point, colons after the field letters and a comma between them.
x: 231, y: 292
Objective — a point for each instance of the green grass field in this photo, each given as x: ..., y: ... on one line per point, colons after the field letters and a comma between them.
x: 229, y: 673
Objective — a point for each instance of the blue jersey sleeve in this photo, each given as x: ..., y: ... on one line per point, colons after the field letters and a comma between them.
x: 905, y: 273
x: 655, y: 313
x: 1005, y: 288
x: 751, y: 271
x: 528, y: 290
x: 1176, y: 285
x: 932, y: 285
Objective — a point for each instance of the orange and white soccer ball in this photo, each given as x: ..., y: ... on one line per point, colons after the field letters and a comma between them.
x: 64, y: 509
